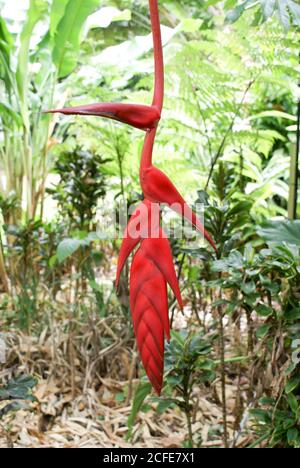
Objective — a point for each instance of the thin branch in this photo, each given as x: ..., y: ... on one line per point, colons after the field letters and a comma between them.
x: 223, y: 374
x: 204, y: 120
x: 223, y: 142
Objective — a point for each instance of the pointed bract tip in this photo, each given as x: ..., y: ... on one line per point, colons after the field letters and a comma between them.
x: 136, y: 115
x: 52, y: 111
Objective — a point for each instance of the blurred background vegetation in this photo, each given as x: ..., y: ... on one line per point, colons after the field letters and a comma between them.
x: 228, y: 138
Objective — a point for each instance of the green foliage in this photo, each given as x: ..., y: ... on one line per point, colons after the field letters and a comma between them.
x: 82, y: 183
x: 286, y: 10
x: 57, y: 13
x: 67, y: 36
x: 277, y: 422
x: 30, y: 249
x: 28, y: 88
x: 266, y: 284
x: 187, y: 363
x: 281, y: 231
x: 16, y: 390
x: 143, y: 390
x: 210, y: 112
x: 36, y: 10
x: 68, y: 247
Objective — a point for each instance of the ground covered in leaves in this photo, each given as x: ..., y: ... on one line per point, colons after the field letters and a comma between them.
x: 76, y: 407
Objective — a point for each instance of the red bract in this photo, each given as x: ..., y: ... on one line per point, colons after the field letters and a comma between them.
x: 152, y: 266
x: 158, y: 188
x: 144, y: 223
x: 136, y: 115
x: 158, y: 251
x: 149, y: 308
x: 144, y: 227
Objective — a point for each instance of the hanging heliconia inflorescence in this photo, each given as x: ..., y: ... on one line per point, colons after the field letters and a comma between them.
x: 152, y: 267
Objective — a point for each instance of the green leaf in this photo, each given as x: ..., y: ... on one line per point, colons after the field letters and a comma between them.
x: 293, y: 403
x: 293, y: 314
x: 292, y: 128
x: 267, y: 401
x: 165, y: 404
x: 52, y: 261
x: 67, y: 247
x: 233, y: 15
x: 174, y: 380
x: 35, y: 12
x: 57, y: 12
x: 6, y: 45
x: 235, y: 261
x: 264, y: 311
x: 120, y: 397
x: 292, y: 385
x: 6, y: 41
x: 292, y: 435
x: 190, y: 25
x: 261, y: 415
x: 96, y: 287
x: 9, y: 111
x: 295, y: 10
x: 143, y: 390
x: 281, y: 231
x: 229, y: 4
x: 220, y: 265
x: 124, y: 15
x: 68, y: 35
x: 248, y: 288
x: 19, y: 388
x: 283, y: 8
x: 283, y: 14
x: 263, y: 330
x: 275, y: 114
x: 4, y: 33
x: 11, y: 408
x: 104, y: 17
x: 180, y: 338
x: 268, y: 8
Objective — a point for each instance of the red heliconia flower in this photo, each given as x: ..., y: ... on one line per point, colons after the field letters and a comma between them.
x: 149, y: 308
x: 152, y: 266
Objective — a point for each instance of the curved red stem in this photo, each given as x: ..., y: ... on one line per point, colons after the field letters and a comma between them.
x: 158, y: 97
x: 146, y: 159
